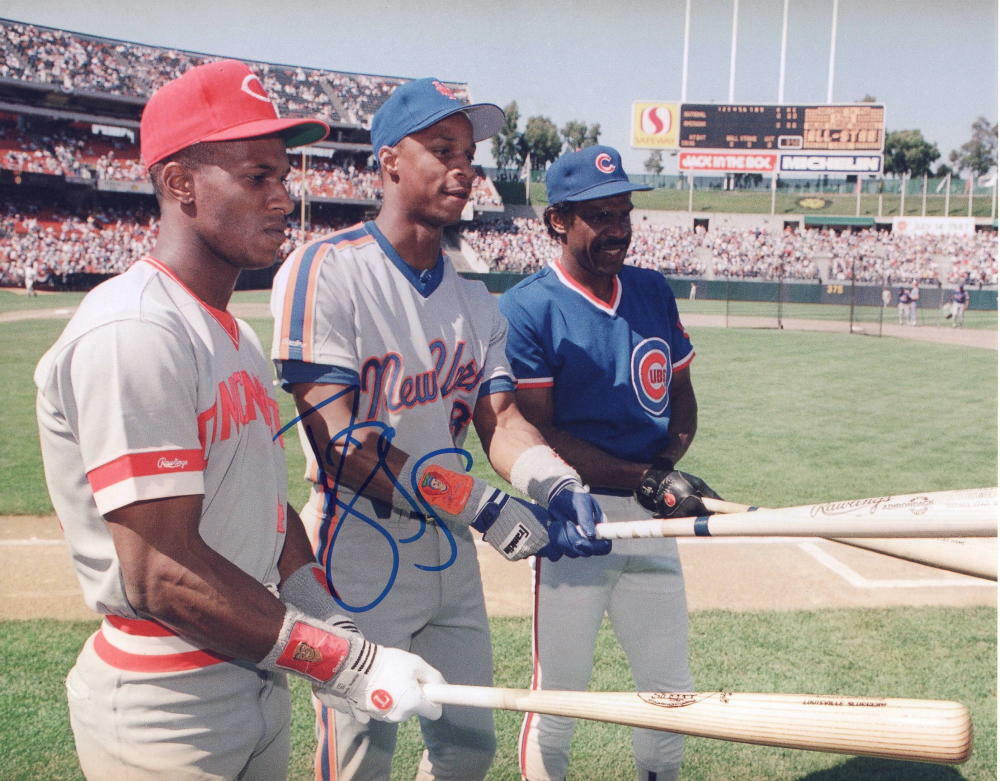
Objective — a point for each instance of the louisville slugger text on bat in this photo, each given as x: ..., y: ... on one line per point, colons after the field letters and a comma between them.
x: 938, y: 731
x: 968, y: 556
x: 971, y: 513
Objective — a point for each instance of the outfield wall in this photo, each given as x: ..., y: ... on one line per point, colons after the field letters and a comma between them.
x: 787, y: 292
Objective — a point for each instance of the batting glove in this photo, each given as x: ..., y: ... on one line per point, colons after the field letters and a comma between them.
x: 669, y: 493
x: 350, y: 673
x: 575, y: 514
x: 384, y: 683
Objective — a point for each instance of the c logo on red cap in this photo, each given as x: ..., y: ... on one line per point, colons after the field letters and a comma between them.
x: 604, y: 163
x: 251, y: 86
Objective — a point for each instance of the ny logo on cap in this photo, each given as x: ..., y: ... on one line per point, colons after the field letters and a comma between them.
x: 605, y: 164
x: 251, y: 86
x: 444, y: 90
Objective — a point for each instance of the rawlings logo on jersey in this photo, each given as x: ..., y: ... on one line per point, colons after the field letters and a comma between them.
x: 385, y: 379
x: 651, y: 372
x: 171, y: 463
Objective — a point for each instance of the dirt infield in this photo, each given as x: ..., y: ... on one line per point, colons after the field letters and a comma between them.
x: 37, y: 580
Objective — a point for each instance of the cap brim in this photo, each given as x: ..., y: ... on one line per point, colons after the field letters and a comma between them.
x: 294, y: 132
x: 486, y: 120
x: 606, y: 190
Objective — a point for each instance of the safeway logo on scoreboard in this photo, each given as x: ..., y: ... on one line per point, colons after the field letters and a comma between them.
x: 655, y: 125
x: 734, y: 162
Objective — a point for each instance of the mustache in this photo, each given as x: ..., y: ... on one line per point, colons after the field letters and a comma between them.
x: 615, y: 243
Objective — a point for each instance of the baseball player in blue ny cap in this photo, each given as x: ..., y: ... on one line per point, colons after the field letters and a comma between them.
x: 602, y: 367
x: 390, y: 355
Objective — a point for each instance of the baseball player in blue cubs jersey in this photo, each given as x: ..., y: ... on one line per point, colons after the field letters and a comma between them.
x: 390, y: 356
x: 165, y: 462
x: 602, y: 367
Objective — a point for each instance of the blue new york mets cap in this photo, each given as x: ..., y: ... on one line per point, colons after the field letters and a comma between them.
x: 588, y: 173
x: 420, y: 103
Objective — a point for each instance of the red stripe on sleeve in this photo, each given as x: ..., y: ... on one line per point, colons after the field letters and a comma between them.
x: 160, y: 462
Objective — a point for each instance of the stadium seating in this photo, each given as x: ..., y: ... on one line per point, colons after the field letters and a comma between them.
x: 77, y: 200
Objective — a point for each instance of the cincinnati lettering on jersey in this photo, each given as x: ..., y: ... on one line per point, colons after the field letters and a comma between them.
x: 239, y: 400
x: 385, y: 379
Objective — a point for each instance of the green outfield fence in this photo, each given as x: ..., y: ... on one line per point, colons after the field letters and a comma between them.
x: 873, y: 196
x: 771, y: 302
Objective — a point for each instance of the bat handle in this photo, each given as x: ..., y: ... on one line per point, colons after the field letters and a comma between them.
x: 720, y: 506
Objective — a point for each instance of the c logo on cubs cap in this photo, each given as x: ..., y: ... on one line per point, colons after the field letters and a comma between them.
x: 605, y: 164
x: 651, y: 373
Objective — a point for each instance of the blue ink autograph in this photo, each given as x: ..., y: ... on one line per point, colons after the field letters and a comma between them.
x: 333, y: 502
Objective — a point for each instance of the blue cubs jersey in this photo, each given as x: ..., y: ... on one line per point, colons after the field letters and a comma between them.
x: 609, y: 364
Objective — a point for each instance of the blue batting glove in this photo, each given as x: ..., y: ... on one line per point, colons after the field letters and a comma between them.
x: 575, y: 513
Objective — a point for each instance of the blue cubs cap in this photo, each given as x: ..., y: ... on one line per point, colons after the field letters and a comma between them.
x: 418, y: 104
x: 588, y: 173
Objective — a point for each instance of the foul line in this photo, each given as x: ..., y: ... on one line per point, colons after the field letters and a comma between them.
x: 860, y: 581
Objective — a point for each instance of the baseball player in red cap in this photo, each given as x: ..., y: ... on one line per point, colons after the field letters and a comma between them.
x: 165, y: 462
x: 391, y: 355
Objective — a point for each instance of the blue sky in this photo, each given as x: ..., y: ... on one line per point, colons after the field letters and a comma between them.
x: 932, y: 63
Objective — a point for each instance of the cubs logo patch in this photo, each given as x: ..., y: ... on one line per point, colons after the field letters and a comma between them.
x: 605, y: 164
x: 651, y: 373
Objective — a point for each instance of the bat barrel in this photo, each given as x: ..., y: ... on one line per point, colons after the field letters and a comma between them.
x: 937, y: 731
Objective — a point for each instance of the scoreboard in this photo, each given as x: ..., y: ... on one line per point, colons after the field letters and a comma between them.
x: 759, y: 137
x: 849, y: 128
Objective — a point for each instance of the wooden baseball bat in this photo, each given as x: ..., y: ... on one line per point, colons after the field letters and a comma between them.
x: 968, y: 556
x: 971, y: 513
x: 965, y: 555
x: 917, y: 730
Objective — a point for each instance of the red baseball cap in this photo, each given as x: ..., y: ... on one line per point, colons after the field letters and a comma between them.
x: 218, y: 101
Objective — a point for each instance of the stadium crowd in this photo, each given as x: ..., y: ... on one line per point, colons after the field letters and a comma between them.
x: 82, y: 63
x: 74, y: 149
x: 58, y: 243
x: 522, y: 245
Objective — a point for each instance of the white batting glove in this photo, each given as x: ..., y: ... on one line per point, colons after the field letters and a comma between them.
x: 390, y: 690
x: 350, y: 673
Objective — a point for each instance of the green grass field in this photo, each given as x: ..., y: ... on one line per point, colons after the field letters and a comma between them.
x: 785, y: 418
x: 707, y: 202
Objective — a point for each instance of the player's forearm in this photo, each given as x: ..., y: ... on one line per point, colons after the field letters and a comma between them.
x: 597, y: 468
x: 354, y: 455
x: 683, y: 418
x: 297, y: 550
x: 172, y: 576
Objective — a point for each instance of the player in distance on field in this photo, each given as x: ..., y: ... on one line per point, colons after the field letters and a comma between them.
x: 390, y: 355
x: 159, y: 434
x: 602, y: 367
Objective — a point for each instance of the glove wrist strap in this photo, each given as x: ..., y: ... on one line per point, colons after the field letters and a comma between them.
x: 539, y: 472
x: 307, y: 590
x: 310, y: 648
